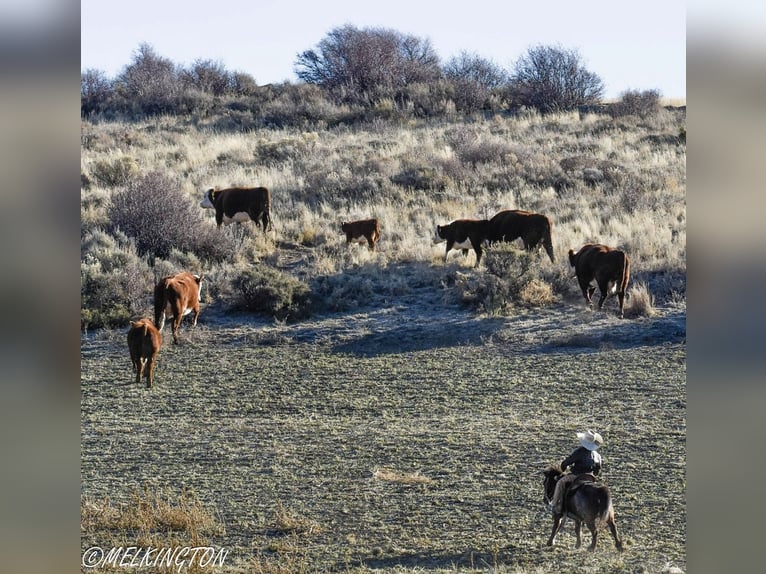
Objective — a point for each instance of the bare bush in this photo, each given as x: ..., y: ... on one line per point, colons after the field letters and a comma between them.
x: 552, y: 78
x: 160, y: 217
x: 114, y: 280
x: 366, y: 65
x: 512, y: 278
x: 636, y: 103
x: 475, y: 79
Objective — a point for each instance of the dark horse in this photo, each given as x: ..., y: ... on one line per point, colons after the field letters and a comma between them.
x: 589, y: 503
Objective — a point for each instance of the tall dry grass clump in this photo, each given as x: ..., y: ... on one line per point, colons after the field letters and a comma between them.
x: 616, y: 180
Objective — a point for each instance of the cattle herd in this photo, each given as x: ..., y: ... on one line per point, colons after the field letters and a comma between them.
x: 178, y: 295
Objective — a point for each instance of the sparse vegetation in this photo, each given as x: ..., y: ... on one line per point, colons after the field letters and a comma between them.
x: 355, y: 411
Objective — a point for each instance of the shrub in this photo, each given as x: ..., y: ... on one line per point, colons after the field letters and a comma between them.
x: 115, y: 172
x: 636, y: 103
x: 160, y: 217
x: 511, y: 278
x: 551, y: 78
x: 263, y: 289
x: 114, y: 281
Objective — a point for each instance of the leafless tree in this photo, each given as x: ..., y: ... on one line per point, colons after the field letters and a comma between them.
x: 474, y: 79
x: 365, y: 65
x: 552, y: 78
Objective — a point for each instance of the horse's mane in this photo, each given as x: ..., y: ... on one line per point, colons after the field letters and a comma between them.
x: 553, y: 469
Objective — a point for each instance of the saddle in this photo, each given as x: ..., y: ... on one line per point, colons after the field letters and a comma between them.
x: 580, y: 479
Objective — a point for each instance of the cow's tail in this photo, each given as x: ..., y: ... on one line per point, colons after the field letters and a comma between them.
x: 159, y: 304
x: 625, y: 274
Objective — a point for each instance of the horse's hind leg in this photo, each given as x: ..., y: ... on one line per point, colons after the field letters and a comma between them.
x: 594, y: 536
x: 613, y: 529
x: 578, y: 528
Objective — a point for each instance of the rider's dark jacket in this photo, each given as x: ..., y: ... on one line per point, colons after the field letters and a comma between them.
x: 583, y: 460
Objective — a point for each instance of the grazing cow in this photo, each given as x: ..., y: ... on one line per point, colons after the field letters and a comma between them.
x: 239, y: 204
x: 608, y: 266
x: 176, y: 296
x: 144, y: 343
x: 533, y: 228
x: 361, y: 231
x: 462, y: 234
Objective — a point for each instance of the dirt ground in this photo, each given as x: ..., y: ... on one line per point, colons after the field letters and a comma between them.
x: 316, y: 417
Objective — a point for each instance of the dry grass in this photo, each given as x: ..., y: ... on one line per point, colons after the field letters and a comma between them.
x: 639, y: 301
x: 390, y: 475
x: 150, y: 511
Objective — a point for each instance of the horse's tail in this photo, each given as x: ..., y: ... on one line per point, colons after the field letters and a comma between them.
x: 602, y: 502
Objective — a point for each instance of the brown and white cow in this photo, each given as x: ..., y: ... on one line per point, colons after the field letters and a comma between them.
x: 239, y: 204
x: 144, y: 343
x: 533, y: 228
x: 608, y: 266
x: 363, y: 230
x: 176, y: 296
x: 462, y: 234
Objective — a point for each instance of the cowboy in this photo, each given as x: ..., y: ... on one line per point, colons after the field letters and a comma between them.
x: 584, y: 460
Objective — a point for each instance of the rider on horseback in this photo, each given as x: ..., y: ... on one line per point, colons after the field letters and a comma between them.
x: 584, y: 460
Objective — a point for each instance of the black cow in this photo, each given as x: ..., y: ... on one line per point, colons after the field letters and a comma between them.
x: 239, y: 204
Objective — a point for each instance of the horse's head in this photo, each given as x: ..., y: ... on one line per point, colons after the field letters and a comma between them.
x: 552, y: 474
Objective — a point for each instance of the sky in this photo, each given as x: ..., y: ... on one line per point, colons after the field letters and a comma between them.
x: 629, y: 45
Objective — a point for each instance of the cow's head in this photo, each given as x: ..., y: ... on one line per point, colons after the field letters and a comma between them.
x: 208, y: 199
x: 344, y: 227
x: 572, y: 257
x: 439, y: 235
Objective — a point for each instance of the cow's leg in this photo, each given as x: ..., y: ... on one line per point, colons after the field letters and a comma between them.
x: 477, y: 249
x: 150, y: 373
x: 621, y: 298
x: 603, y: 287
x: 587, y: 292
x: 140, y: 370
x: 176, y: 326
x: 450, y: 243
x: 370, y: 243
x: 465, y: 252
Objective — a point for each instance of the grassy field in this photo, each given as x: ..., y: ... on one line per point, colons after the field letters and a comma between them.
x: 404, y: 438
x: 402, y: 423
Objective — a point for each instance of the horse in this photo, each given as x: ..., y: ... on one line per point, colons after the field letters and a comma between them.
x: 589, y: 503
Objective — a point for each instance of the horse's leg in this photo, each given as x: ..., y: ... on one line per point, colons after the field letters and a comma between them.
x: 593, y: 534
x: 557, y: 521
x: 578, y: 527
x: 613, y: 529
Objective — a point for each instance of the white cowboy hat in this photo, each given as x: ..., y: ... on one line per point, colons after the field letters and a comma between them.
x: 590, y: 440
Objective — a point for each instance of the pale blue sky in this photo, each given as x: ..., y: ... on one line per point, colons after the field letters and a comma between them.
x: 630, y: 45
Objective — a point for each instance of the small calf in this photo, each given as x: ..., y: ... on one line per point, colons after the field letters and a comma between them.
x: 364, y: 230
x: 144, y: 342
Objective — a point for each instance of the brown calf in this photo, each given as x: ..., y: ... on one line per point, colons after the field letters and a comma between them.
x: 365, y: 229
x: 144, y: 343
